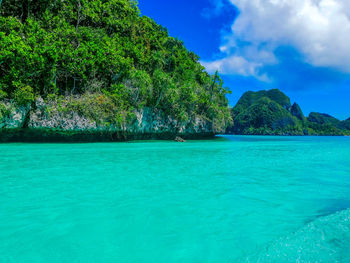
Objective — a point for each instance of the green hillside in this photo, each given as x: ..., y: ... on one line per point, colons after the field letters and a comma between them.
x: 345, y: 124
x: 323, y: 118
x: 270, y: 113
x: 250, y: 97
x: 108, y: 56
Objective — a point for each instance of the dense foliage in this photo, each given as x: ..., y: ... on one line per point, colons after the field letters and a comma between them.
x: 270, y: 113
x: 345, y: 124
x: 57, y: 48
x: 322, y: 118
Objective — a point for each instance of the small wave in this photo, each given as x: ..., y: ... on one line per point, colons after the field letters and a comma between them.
x: 326, y: 239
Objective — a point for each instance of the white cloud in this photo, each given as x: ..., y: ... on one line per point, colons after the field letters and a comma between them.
x: 319, y: 29
x: 236, y: 65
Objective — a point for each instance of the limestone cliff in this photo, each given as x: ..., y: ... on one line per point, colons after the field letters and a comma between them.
x: 59, y: 121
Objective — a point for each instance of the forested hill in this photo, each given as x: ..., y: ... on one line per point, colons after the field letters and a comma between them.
x: 104, y: 61
x: 269, y: 112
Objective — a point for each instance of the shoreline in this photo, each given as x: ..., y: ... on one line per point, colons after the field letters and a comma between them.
x: 59, y: 136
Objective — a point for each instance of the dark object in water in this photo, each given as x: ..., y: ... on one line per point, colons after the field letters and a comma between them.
x: 179, y: 139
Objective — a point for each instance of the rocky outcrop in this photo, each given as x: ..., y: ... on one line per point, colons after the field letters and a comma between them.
x: 297, y: 112
x: 179, y: 139
x: 48, y: 121
x: 12, y: 117
x: 48, y: 116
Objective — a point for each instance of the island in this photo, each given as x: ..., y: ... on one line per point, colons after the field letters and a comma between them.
x: 100, y: 71
x: 270, y: 112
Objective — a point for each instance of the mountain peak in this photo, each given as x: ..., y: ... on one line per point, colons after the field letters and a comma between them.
x: 297, y: 112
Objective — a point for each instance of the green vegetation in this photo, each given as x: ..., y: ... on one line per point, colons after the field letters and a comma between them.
x: 270, y: 113
x: 322, y: 118
x: 297, y: 112
x: 345, y: 124
x: 325, y: 124
x: 23, y: 95
x: 250, y: 97
x: 107, y: 53
x: 3, y: 110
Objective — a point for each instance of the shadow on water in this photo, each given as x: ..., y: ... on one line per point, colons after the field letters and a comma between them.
x: 334, y: 206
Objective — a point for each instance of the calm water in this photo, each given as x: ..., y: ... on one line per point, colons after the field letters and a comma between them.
x: 233, y: 199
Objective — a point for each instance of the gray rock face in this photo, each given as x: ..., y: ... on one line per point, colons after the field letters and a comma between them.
x: 148, y: 123
x: 155, y: 122
x: 179, y: 139
x: 48, y: 116
x: 15, y: 117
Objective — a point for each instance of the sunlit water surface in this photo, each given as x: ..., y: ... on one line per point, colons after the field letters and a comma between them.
x: 232, y: 199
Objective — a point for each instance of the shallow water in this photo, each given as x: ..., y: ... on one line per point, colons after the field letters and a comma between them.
x: 232, y: 199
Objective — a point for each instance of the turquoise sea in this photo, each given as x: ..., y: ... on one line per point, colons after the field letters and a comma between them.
x: 231, y: 199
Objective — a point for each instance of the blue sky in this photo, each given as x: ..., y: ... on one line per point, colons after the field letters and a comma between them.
x: 299, y: 46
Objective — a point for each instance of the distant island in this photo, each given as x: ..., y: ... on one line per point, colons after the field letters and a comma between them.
x: 269, y: 112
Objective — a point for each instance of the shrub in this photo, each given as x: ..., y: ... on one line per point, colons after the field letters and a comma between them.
x: 23, y: 95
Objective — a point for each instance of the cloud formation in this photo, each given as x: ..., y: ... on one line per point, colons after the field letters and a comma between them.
x: 318, y: 29
x: 237, y: 65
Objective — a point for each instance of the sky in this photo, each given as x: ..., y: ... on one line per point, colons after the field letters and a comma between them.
x: 298, y: 46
